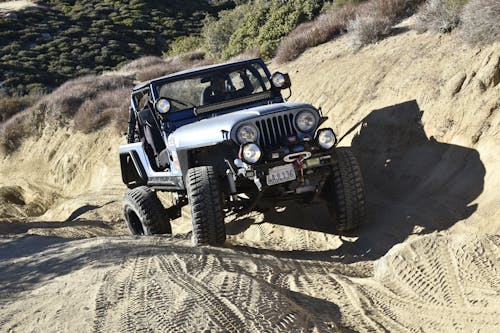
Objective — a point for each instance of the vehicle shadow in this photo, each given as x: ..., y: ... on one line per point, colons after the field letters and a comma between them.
x: 414, y: 184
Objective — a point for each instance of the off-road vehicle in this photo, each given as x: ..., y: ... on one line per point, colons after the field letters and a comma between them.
x: 223, y: 139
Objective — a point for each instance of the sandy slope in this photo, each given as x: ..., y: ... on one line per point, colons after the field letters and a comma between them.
x: 428, y: 259
x: 434, y: 284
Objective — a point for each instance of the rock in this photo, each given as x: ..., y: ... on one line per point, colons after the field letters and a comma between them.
x: 489, y: 74
x: 455, y: 83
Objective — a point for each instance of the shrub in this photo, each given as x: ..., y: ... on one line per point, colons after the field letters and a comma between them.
x: 14, y: 129
x: 374, y: 19
x: 184, y: 44
x: 260, y: 23
x: 310, y: 34
x: 109, y: 105
x: 369, y: 28
x: 217, y: 33
x: 141, y: 63
x: 439, y: 15
x: 66, y: 100
x: 481, y: 21
x: 9, y: 106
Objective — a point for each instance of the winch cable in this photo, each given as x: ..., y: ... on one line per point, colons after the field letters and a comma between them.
x: 350, y: 130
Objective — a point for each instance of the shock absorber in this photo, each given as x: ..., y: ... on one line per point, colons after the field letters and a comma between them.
x: 230, y: 179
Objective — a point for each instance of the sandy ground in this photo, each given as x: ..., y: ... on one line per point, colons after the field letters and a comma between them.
x: 15, y: 5
x: 428, y: 259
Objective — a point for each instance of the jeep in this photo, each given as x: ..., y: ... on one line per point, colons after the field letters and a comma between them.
x: 223, y: 139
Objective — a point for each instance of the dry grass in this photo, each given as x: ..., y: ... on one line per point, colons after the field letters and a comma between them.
x: 9, y: 106
x: 109, y: 106
x: 65, y: 101
x: 91, y: 101
x: 481, y: 21
x: 439, y: 15
x: 249, y: 54
x: 367, y: 21
x: 169, y: 66
x: 374, y: 19
x: 369, y: 28
x: 309, y: 34
x: 141, y: 63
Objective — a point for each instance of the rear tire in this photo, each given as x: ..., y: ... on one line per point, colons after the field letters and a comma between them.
x: 144, y: 213
x: 205, y: 200
x: 344, y: 191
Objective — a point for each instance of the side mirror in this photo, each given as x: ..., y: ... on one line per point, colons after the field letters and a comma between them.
x: 281, y: 80
x: 162, y: 105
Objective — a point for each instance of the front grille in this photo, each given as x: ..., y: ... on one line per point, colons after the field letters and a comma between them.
x: 274, y: 128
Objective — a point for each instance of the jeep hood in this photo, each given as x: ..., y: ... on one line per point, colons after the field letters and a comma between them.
x: 210, y: 131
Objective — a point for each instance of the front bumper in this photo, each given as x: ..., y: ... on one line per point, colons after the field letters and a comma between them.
x: 310, y: 173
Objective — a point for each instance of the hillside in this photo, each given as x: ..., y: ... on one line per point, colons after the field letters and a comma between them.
x: 425, y: 113
x: 45, y: 43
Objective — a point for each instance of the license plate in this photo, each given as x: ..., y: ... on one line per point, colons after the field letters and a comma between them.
x: 281, y: 174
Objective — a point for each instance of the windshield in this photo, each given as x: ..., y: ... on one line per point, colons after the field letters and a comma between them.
x: 217, y: 86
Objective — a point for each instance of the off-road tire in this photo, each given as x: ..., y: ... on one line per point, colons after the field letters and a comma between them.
x: 144, y: 213
x: 345, y: 191
x: 205, y: 199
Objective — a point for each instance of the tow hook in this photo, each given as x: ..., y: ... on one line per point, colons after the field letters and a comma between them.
x: 300, y: 165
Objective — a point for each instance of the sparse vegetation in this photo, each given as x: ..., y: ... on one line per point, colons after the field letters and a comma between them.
x: 375, y: 18
x: 9, y: 106
x: 481, y: 21
x: 319, y: 31
x: 439, y: 15
x: 42, y: 47
x: 91, y: 102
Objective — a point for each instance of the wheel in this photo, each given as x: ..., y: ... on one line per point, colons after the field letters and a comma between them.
x: 344, y: 191
x: 144, y: 213
x: 205, y: 199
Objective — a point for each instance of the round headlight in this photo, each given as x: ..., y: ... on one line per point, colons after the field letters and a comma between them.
x: 162, y: 105
x: 278, y: 80
x: 305, y: 121
x: 247, y: 133
x: 326, y: 138
x: 251, y: 153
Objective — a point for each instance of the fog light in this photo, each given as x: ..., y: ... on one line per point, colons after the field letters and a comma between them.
x: 250, y: 153
x: 326, y: 138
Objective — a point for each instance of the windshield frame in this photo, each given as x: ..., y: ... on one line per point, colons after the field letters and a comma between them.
x: 156, y: 84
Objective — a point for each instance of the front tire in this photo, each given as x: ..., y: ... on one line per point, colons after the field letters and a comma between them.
x: 205, y: 200
x: 144, y: 213
x: 344, y: 191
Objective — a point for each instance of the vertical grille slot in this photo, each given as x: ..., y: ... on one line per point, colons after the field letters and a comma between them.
x: 273, y: 129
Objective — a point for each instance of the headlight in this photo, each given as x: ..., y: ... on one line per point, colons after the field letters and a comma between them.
x: 162, y: 105
x: 305, y: 121
x: 250, y: 153
x: 247, y: 133
x: 326, y: 138
x: 278, y: 80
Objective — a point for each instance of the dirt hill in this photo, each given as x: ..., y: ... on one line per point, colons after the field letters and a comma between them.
x: 423, y: 110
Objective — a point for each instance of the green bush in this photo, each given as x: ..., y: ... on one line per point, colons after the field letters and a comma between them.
x: 260, y: 24
x: 72, y: 29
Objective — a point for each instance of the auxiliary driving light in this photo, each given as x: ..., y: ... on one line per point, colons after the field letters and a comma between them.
x: 326, y: 138
x: 250, y: 153
x: 162, y: 105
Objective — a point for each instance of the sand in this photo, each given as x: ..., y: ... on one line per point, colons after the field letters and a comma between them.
x: 9, y: 6
x: 428, y: 258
